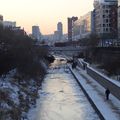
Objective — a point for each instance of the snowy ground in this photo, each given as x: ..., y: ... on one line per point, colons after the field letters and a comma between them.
x: 116, y: 82
x: 17, y: 94
x: 61, y: 98
x: 109, y: 109
x: 104, y: 72
x: 10, y: 89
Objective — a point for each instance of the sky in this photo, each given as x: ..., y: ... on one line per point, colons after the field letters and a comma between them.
x: 44, y: 13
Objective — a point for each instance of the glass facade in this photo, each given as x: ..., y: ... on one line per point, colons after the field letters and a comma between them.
x: 83, y: 26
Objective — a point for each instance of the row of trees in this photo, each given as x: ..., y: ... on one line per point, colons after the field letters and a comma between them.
x: 19, y: 51
x: 101, y: 55
x: 92, y: 54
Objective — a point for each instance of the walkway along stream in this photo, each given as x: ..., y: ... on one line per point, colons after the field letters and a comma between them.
x: 61, y: 98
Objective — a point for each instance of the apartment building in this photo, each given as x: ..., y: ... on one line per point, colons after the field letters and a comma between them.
x: 106, y: 18
x: 84, y: 26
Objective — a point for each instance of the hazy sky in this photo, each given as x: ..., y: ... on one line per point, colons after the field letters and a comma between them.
x: 45, y: 13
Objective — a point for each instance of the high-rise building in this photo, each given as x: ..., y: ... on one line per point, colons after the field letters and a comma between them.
x: 9, y: 24
x: 84, y: 26
x: 56, y: 36
x: 119, y: 19
x: 36, y: 32
x: 70, y: 27
x: 60, y: 30
x: 106, y: 18
x: 1, y: 19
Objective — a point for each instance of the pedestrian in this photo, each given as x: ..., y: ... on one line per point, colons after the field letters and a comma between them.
x: 107, y: 93
x: 73, y: 65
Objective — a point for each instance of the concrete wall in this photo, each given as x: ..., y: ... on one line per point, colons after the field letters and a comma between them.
x: 103, y: 80
x: 80, y: 64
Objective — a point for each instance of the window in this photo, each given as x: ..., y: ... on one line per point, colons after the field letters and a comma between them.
x: 106, y: 20
x: 103, y: 25
x: 119, y: 13
x: 106, y: 29
x: 106, y: 11
x: 103, y: 29
x: 103, y: 6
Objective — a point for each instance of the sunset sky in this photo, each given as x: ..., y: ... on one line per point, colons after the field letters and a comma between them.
x: 45, y: 13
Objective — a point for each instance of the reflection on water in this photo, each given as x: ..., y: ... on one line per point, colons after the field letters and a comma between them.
x: 61, y: 98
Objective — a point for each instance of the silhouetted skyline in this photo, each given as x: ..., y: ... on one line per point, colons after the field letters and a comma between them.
x: 45, y: 13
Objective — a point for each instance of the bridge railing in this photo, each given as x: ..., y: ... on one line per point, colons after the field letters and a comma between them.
x: 70, y: 48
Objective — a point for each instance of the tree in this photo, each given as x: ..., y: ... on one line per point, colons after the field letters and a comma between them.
x: 19, y: 51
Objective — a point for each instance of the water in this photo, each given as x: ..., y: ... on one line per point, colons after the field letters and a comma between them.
x: 61, y: 98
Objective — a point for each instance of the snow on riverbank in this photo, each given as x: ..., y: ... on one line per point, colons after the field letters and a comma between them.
x: 101, y: 73
x: 109, y: 109
x: 6, y: 85
x: 61, y: 98
x: 18, y: 94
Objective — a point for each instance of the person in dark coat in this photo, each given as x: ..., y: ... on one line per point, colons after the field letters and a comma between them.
x: 73, y: 65
x: 107, y: 93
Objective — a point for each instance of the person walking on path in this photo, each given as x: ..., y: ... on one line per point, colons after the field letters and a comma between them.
x: 107, y: 93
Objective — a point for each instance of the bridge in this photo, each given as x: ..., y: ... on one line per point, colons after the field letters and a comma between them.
x: 68, y: 48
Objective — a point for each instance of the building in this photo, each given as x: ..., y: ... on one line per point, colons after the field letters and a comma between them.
x: 106, y: 19
x: 36, y: 32
x: 12, y: 25
x: 56, y: 36
x: 49, y: 39
x: 84, y: 26
x: 65, y: 38
x: 119, y: 19
x: 60, y: 30
x: 1, y: 19
x: 70, y: 27
x: 9, y: 24
x: 19, y: 31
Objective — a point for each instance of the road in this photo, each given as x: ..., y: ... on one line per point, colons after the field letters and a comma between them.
x: 61, y: 98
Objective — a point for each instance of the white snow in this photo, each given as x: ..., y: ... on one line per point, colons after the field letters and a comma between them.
x: 6, y: 85
x: 44, y: 65
x: 109, y: 109
x: 61, y: 98
x: 101, y: 74
x: 4, y: 105
x: 117, y: 83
